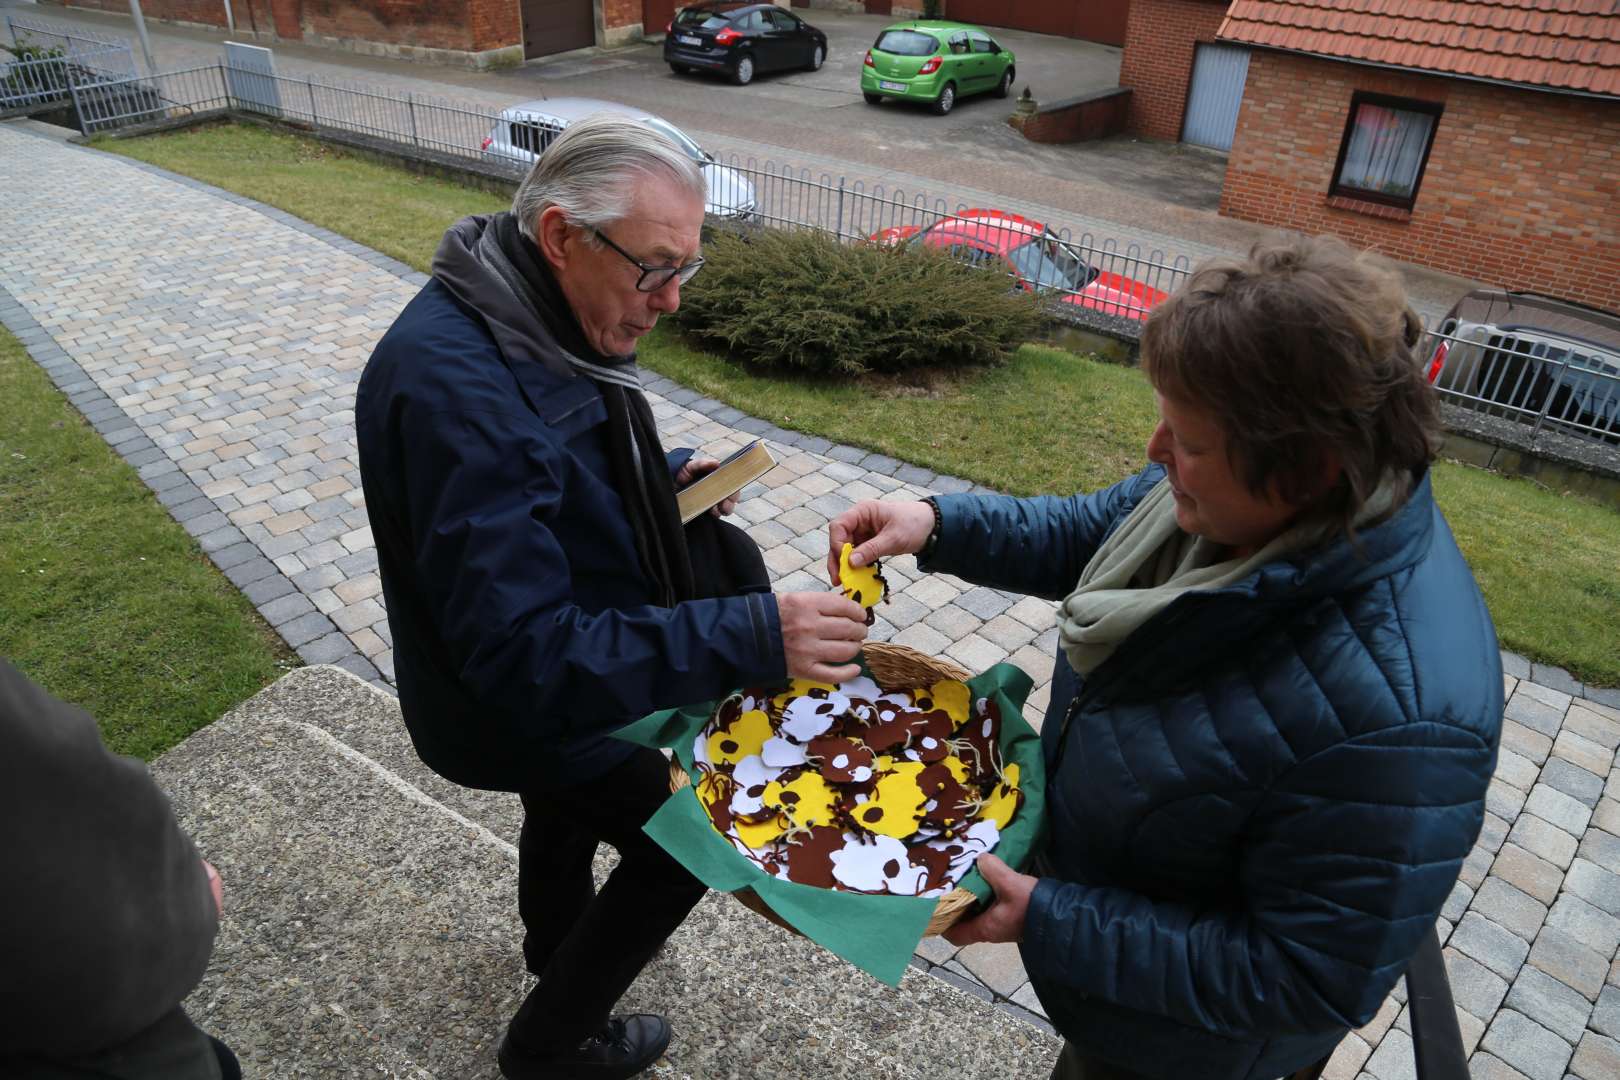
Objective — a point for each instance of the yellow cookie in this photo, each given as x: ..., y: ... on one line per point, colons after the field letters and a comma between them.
x: 798, y: 688
x: 757, y: 834
x: 952, y: 696
x: 1006, y: 800
x: 745, y: 739
x: 806, y: 800
x: 896, y: 805
x: 861, y: 584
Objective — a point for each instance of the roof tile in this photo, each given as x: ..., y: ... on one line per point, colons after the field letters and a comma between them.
x: 1561, y: 44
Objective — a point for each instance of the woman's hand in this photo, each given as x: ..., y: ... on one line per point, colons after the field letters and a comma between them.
x: 1003, y: 920
x: 696, y: 467
x: 878, y: 529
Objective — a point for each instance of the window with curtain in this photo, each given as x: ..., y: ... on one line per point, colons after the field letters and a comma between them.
x: 1386, y: 144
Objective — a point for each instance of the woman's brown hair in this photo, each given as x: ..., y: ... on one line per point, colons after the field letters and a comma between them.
x: 1304, y: 354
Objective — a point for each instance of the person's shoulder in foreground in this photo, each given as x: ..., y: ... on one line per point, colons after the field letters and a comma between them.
x: 108, y: 916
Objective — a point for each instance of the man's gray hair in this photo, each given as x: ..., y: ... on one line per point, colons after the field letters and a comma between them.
x: 591, y: 171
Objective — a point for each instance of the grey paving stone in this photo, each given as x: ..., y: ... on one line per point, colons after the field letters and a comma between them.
x: 267, y: 589
x: 1587, y: 722
x: 1527, y: 1046
x: 1556, y: 1007
x: 305, y: 628
x: 951, y: 485
x: 250, y: 570
x: 1554, y: 806
x: 1522, y: 740
x: 196, y: 507
x: 1557, y: 678
x: 1603, y: 850
x: 1033, y: 1019
x: 1504, y: 800
x: 985, y: 603
x: 1527, y: 872
x: 1497, y: 948
x: 1609, y: 696
x: 1596, y: 1058
x: 880, y: 463
x: 1572, y: 780
x: 1544, y: 840
x: 1595, y: 885
x: 1570, y: 961
x: 912, y: 474
x: 1492, y: 832
x: 326, y: 650
x: 286, y: 608
x: 964, y: 984
x: 1507, y: 906
x: 1474, y: 987
x: 320, y: 577
x: 1534, y: 714
x: 1393, y: 1058
x: 814, y: 444
x: 203, y: 524
x: 1591, y: 925
x: 1605, y: 1017
x: 1515, y: 665
x: 360, y: 666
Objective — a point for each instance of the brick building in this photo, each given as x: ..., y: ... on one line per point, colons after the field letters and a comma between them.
x: 1479, y: 138
x: 476, y: 33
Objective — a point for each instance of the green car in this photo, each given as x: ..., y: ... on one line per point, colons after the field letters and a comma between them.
x: 936, y: 62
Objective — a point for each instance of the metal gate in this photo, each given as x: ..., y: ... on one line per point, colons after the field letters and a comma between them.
x: 1219, y: 72
x: 554, y: 26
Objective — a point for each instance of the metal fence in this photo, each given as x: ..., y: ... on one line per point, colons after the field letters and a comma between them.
x: 45, y: 63
x: 1532, y: 378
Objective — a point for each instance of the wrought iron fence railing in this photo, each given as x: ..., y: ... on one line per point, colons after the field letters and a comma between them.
x: 1536, y: 379
x: 44, y: 63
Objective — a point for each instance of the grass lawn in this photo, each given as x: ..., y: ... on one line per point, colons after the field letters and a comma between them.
x: 104, y: 598
x: 1047, y: 422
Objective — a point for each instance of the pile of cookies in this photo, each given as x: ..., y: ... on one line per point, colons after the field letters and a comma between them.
x: 857, y: 788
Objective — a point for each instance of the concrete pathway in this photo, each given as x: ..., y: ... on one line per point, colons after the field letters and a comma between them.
x: 222, y: 360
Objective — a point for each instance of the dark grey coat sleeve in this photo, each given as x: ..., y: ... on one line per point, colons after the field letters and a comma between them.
x: 106, y: 918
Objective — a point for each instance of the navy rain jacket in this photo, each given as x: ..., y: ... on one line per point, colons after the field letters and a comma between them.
x: 523, y: 627
x: 1262, y: 799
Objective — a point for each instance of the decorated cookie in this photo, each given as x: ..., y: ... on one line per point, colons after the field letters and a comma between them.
x: 806, y: 800
x: 862, y: 584
x: 896, y: 805
x: 745, y: 738
x: 804, y: 718
x: 842, y: 760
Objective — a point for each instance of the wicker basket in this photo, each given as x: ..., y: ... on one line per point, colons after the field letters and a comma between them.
x: 894, y: 667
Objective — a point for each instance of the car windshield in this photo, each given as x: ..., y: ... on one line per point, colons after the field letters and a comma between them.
x: 676, y: 136
x: 1050, y: 266
x: 702, y: 19
x: 906, y: 43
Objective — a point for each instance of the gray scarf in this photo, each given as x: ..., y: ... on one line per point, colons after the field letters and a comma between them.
x: 1149, y: 562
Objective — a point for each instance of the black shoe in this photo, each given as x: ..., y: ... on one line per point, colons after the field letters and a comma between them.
x: 622, y: 1049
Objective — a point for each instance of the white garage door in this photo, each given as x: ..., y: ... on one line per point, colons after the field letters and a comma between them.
x: 1216, y: 92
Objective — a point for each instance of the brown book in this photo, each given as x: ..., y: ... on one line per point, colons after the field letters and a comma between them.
x: 727, y: 478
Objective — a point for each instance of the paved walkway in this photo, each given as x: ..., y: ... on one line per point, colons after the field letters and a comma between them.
x: 222, y: 360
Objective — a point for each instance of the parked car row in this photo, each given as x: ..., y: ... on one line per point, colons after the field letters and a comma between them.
x: 1533, y: 358
x: 928, y: 61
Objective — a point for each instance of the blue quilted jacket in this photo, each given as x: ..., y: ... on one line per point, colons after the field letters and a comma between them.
x: 1259, y: 803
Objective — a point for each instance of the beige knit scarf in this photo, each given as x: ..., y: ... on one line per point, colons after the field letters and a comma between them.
x: 1149, y: 561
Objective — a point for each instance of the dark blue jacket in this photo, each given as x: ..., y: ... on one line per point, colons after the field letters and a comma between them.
x: 1263, y: 797
x: 522, y: 622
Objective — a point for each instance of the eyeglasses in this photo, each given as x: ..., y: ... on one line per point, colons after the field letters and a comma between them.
x: 653, y: 278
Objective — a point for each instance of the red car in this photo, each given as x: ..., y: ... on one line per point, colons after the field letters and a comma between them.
x: 1040, y: 261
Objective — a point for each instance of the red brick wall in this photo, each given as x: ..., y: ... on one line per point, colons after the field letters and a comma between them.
x: 1157, y: 60
x: 205, y: 12
x: 623, y: 13
x: 464, y: 25
x: 1520, y: 189
x: 1094, y: 117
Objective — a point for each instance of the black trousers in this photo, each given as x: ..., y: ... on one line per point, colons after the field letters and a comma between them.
x: 586, y: 946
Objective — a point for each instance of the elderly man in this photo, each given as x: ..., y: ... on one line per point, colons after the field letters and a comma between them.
x: 541, y: 589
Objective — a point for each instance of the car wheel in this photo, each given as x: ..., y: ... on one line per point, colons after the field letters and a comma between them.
x: 1005, y: 86
x: 744, y: 73
x: 817, y: 57
x: 946, y: 100
x: 871, y: 98
x: 679, y: 69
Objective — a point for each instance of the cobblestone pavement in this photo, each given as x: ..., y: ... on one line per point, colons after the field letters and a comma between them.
x: 216, y: 344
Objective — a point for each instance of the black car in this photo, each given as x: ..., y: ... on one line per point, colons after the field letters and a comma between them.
x: 742, y: 40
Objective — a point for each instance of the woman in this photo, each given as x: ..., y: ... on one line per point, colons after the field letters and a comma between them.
x: 1278, y: 694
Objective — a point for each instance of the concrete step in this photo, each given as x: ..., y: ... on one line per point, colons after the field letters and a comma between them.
x: 371, y: 925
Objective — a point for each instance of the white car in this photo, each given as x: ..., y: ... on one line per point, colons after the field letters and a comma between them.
x: 523, y: 132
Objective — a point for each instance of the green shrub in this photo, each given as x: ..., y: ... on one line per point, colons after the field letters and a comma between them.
x: 803, y: 302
